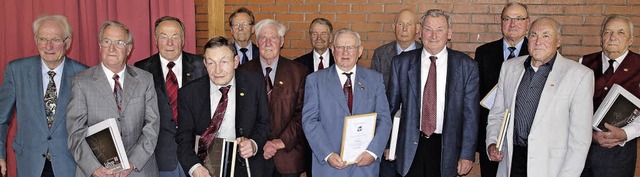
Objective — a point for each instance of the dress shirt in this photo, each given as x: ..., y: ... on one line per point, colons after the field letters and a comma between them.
x: 228, y: 126
x: 399, y: 49
x: 272, y: 74
x: 616, y: 63
x: 441, y: 82
x: 57, y: 78
x: 325, y: 59
x: 109, y: 75
x: 249, y: 51
x: 177, y: 69
x: 343, y: 78
x: 506, y: 51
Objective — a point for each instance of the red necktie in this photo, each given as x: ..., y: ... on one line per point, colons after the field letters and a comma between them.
x: 429, y: 102
x: 214, y: 126
x: 117, y: 91
x: 172, y: 91
x: 268, y: 82
x: 348, y: 92
x: 320, y: 66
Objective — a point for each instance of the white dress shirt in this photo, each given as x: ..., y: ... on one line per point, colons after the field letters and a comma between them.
x: 441, y: 83
x: 109, y: 75
x: 316, y: 59
x: 177, y: 69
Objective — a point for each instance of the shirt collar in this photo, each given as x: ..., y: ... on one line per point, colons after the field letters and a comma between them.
x: 399, y: 49
x: 58, y: 69
x: 619, y: 59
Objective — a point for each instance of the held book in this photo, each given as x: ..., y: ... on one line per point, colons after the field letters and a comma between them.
x: 618, y: 108
x: 220, y: 159
x: 487, y: 101
x: 503, y: 130
x: 394, y: 138
x: 106, y: 144
x: 357, y: 133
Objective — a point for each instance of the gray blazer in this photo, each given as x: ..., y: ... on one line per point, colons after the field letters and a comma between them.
x: 92, y: 101
x: 381, y: 60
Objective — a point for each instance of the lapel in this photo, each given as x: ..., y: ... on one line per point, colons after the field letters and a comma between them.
x: 391, y: 51
x: 331, y: 60
x: 130, y: 86
x: 359, y: 86
x: 155, y: 69
x: 453, y: 72
x: 188, y: 69
x: 511, y: 85
x: 101, y: 84
x: 550, y: 89
x: 414, y: 75
x: 63, y: 92
x: 35, y: 86
x: 281, y: 74
x: 331, y: 76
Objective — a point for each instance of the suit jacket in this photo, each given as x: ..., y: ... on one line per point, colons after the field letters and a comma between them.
x: 192, y: 68
x: 323, y: 115
x: 22, y: 90
x: 560, y: 134
x: 381, y: 60
x: 92, y: 101
x: 255, y: 52
x: 285, y: 110
x: 307, y: 60
x: 252, y: 116
x: 490, y: 58
x: 460, y: 125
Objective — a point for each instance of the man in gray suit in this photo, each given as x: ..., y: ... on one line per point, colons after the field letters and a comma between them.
x: 112, y: 89
x: 42, y: 136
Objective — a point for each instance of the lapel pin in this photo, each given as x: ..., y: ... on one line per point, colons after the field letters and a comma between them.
x: 280, y: 82
x: 361, y: 88
x: 241, y: 93
x: 359, y: 83
x: 552, y: 85
x: 188, y: 74
x: 626, y: 69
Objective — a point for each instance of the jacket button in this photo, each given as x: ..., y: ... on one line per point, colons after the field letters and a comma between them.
x: 48, y: 138
x: 44, y: 155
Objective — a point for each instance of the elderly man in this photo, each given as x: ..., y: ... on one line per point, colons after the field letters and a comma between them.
x: 113, y: 89
x: 405, y: 27
x: 41, y: 137
x: 320, y: 57
x: 241, y: 22
x: 613, y: 153
x: 341, y: 90
x: 284, y: 81
x: 515, y: 23
x: 547, y: 97
x: 171, y: 68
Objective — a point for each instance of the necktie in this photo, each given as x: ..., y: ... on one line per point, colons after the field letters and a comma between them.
x: 117, y: 91
x: 268, y: 83
x: 245, y: 58
x: 172, y: 91
x: 320, y: 66
x: 511, y: 54
x: 609, y: 72
x: 50, y: 99
x: 429, y: 103
x: 348, y: 92
x: 214, y: 126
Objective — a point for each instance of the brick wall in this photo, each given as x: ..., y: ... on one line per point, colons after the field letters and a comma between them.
x: 474, y: 21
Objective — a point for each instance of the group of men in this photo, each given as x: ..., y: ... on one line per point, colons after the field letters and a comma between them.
x: 288, y: 115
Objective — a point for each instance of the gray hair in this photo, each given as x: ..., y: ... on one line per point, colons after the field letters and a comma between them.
x: 348, y: 31
x: 266, y: 22
x: 321, y: 21
x: 555, y: 23
x: 436, y: 13
x: 615, y: 16
x: 61, y: 20
x: 526, y: 9
x: 116, y: 24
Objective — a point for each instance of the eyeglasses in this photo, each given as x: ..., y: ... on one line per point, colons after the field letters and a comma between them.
x: 54, y: 41
x: 349, y: 49
x: 517, y: 19
x: 241, y: 25
x: 107, y: 43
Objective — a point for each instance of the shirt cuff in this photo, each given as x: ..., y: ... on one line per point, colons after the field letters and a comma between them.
x: 255, y: 151
x: 327, y: 157
x: 193, y: 168
x: 372, y: 154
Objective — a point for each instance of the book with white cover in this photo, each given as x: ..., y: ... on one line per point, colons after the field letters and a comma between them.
x: 487, y: 101
x: 503, y: 130
x: 618, y: 108
x: 394, y: 138
x: 106, y: 144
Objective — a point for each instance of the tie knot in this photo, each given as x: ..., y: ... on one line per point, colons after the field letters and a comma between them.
x: 511, y: 49
x: 321, y: 58
x: 268, y: 70
x: 244, y: 50
x: 53, y: 73
x: 170, y: 65
x: 115, y: 77
x: 610, y: 63
x: 433, y: 59
x: 348, y: 74
x: 224, y: 90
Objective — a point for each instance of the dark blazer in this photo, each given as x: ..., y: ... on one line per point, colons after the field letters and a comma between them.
x: 22, y: 90
x: 255, y: 52
x: 381, y: 60
x: 285, y: 110
x: 192, y: 68
x: 307, y: 60
x: 252, y: 115
x: 460, y: 126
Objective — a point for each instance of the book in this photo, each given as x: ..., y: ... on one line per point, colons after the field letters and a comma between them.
x: 357, y: 133
x: 394, y: 138
x: 503, y: 130
x: 106, y: 144
x: 220, y: 158
x: 487, y: 101
x: 618, y: 108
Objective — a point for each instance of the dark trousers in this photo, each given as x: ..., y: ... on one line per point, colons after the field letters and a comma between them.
x: 271, y: 170
x: 488, y: 168
x: 308, y: 160
x: 388, y: 168
x: 426, y: 162
x: 519, y: 161
x: 618, y: 161
x: 47, y: 171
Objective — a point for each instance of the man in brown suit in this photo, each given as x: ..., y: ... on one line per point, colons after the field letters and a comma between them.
x: 285, y: 80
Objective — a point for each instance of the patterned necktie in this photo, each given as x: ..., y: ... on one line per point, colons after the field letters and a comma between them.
x: 245, y: 58
x: 320, y: 66
x: 268, y: 82
x: 511, y: 52
x: 214, y: 126
x: 117, y: 91
x: 609, y: 72
x: 429, y: 100
x: 348, y: 92
x: 50, y: 99
x: 172, y: 91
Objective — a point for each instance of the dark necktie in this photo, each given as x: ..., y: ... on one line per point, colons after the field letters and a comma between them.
x: 320, y: 66
x: 172, y: 91
x: 214, y: 126
x: 348, y: 92
x: 50, y: 99
x: 245, y: 58
x: 609, y: 72
x: 429, y: 101
x: 117, y: 91
x: 511, y: 52
x: 268, y: 83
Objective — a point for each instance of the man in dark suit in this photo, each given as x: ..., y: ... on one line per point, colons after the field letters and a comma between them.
x: 514, y: 23
x: 437, y: 88
x: 613, y: 153
x: 320, y: 57
x: 284, y: 84
x: 241, y: 22
x: 241, y: 113
x: 171, y: 69
x: 41, y: 137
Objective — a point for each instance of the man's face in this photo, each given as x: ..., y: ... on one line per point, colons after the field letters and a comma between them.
x: 544, y: 40
x: 320, y: 36
x: 52, y: 41
x: 241, y: 28
x: 616, y: 37
x: 221, y: 64
x: 169, y: 39
x: 435, y: 34
x: 114, y: 48
x: 515, y: 23
x: 346, y: 51
x: 406, y: 27
x: 269, y: 42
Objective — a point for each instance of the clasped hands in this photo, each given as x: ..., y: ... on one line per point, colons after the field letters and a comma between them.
x: 336, y: 161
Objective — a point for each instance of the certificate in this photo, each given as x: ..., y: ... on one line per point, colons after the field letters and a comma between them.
x: 357, y: 133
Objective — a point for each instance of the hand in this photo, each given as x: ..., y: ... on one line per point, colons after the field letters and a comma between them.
x: 615, y: 136
x: 386, y: 155
x: 3, y: 167
x: 201, y: 172
x: 126, y: 172
x: 364, y: 159
x: 102, y: 172
x: 494, y: 154
x: 269, y: 149
x: 336, y: 161
x: 464, y: 166
x: 279, y: 144
x: 246, y: 147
